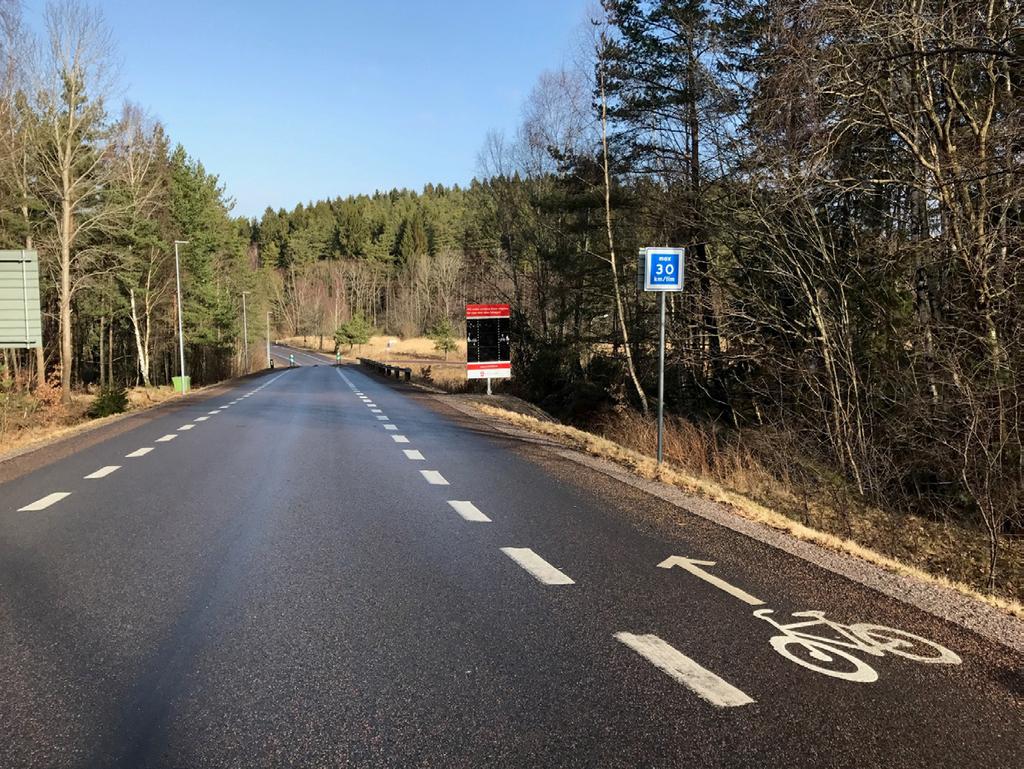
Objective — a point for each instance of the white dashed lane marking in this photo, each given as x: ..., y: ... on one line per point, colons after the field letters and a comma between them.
x: 383, y: 419
x: 433, y: 477
x: 390, y: 427
x: 45, y: 502
x: 540, y: 569
x: 184, y: 428
x: 468, y: 510
x: 200, y: 419
x: 376, y: 411
x: 399, y: 439
x: 413, y: 454
x: 165, y: 438
x: 139, y: 452
x: 215, y: 411
x: 103, y: 472
x: 700, y: 681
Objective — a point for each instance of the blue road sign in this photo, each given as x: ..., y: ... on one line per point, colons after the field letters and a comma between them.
x: 663, y: 269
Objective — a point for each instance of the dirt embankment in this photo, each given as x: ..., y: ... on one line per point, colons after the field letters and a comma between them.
x: 946, y: 552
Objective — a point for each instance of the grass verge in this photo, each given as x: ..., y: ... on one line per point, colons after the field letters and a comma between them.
x: 26, y: 420
x: 646, y: 467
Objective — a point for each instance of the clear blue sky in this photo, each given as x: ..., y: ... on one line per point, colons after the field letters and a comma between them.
x: 295, y: 101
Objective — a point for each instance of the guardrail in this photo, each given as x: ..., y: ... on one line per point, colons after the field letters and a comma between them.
x: 387, y: 369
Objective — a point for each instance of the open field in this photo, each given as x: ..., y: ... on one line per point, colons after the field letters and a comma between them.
x: 428, y: 366
x: 414, y: 348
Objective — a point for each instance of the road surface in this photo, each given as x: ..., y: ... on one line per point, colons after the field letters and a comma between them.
x: 320, y: 568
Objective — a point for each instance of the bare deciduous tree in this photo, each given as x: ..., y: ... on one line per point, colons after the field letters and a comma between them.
x: 75, y: 164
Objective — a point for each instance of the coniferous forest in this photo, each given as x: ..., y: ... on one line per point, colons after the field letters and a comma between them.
x: 847, y: 178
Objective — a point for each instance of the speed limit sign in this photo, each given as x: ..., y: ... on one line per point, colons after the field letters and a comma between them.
x: 663, y: 269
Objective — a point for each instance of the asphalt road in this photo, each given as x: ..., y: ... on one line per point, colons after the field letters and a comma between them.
x: 327, y: 570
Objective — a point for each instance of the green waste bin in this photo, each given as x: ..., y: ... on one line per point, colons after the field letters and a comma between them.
x: 176, y: 380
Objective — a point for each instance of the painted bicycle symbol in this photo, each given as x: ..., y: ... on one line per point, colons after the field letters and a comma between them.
x: 828, y: 655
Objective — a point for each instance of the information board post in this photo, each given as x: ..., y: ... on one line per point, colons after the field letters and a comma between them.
x: 488, y: 342
x: 663, y: 272
x: 661, y: 382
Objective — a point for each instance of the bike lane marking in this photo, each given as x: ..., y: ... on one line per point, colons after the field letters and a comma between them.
x: 540, y: 569
x: 45, y: 502
x: 434, y: 478
x: 677, y: 665
x: 103, y: 472
x: 468, y: 510
x: 692, y: 565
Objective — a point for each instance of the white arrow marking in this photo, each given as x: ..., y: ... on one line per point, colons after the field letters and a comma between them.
x: 103, y: 472
x: 670, y: 660
x: 468, y: 510
x: 537, y: 566
x: 693, y: 566
x: 42, y: 504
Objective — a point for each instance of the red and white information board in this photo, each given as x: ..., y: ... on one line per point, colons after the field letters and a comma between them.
x: 488, y: 348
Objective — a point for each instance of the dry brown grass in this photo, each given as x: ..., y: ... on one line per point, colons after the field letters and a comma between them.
x: 414, y: 348
x: 444, y: 376
x: 748, y: 473
x: 26, y: 420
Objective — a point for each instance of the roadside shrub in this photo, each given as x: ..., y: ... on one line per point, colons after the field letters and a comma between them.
x: 109, y: 400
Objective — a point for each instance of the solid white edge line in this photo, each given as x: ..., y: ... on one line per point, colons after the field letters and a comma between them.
x: 434, y: 478
x: 540, y: 569
x: 468, y: 510
x: 697, y: 679
x: 103, y: 472
x: 45, y: 502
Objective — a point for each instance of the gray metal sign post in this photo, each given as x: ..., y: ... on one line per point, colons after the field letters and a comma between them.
x: 181, y: 333
x: 662, y: 270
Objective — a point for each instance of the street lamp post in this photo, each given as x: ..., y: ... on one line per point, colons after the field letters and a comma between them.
x: 181, y: 333
x: 268, y: 339
x: 245, y: 332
